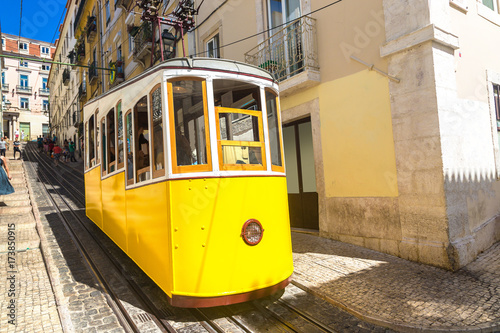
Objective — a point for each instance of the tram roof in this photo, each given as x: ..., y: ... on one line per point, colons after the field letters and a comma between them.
x: 208, y: 64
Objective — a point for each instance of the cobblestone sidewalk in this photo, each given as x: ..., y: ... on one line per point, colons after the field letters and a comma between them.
x: 399, y: 294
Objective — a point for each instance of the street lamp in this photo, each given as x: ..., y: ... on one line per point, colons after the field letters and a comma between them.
x: 168, y: 43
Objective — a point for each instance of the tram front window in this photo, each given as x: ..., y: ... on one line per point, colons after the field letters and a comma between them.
x: 241, y: 139
x: 189, y: 109
x: 142, y: 137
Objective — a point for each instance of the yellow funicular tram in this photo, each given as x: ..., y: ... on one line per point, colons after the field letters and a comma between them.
x: 184, y: 171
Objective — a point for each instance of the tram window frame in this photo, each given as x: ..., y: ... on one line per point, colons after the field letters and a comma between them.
x: 91, y: 158
x: 110, y: 127
x: 137, y: 148
x: 275, y: 167
x: 104, y: 157
x: 154, y: 139
x: 129, y: 146
x: 177, y: 169
x: 86, y: 145
x: 96, y: 139
x: 235, y: 143
x: 120, y: 147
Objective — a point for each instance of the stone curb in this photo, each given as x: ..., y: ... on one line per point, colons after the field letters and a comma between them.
x: 62, y: 305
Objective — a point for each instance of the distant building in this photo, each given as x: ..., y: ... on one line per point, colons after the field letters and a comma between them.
x: 25, y: 91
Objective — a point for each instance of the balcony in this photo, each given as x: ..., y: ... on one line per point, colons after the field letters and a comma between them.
x: 23, y: 89
x: 66, y: 77
x: 91, y: 28
x: 44, y: 91
x: 125, y: 4
x: 82, y: 90
x: 93, y: 72
x: 143, y: 38
x: 119, y: 75
x: 5, y: 87
x: 72, y: 57
x: 80, y: 52
x: 291, y: 55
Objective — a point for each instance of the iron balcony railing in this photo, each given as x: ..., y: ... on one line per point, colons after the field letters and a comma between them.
x: 91, y: 28
x: 44, y: 91
x: 66, y: 76
x: 5, y: 87
x: 288, y: 51
x: 93, y: 71
x: 24, y: 89
x: 143, y: 39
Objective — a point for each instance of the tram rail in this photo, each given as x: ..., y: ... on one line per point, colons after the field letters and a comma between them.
x: 235, y: 321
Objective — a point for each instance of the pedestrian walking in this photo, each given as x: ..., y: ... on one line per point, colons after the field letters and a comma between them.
x: 5, y: 177
x: 17, y: 148
x: 3, y: 146
x: 16, y: 134
x: 72, y: 148
x: 39, y: 142
x: 57, y: 154
x: 22, y: 135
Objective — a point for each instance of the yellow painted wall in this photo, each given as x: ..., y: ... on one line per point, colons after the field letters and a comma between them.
x: 356, y: 136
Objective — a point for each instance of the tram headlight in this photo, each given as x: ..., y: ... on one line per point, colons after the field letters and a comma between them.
x: 252, y: 232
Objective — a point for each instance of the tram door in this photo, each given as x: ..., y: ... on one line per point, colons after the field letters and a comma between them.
x: 300, y: 174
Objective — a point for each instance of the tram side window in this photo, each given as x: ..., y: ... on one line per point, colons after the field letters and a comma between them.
x: 97, y: 146
x: 119, y: 119
x: 189, y: 125
x: 142, y: 137
x: 157, y: 123
x: 111, y: 140
x: 130, y: 153
x: 91, y: 148
x: 103, y: 148
x: 241, y: 139
x: 273, y: 122
x: 86, y: 145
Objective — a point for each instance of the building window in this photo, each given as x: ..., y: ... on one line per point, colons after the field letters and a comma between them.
x: 45, y: 105
x: 23, y: 63
x: 23, y: 80
x: 45, y: 50
x: 24, y: 103
x: 213, y: 47
x: 45, y: 67
x: 44, y: 83
x: 3, y: 78
x: 23, y: 46
x: 108, y: 13
x: 491, y: 4
x: 496, y: 99
x: 3, y: 43
x: 130, y: 44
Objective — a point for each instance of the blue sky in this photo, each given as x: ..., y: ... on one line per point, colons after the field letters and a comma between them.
x: 40, y: 18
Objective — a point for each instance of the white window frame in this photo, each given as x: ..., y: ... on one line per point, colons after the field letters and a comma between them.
x: 131, y: 44
x: 45, y: 67
x: 108, y: 13
x: 21, y: 103
x: 22, y: 49
x: 23, y: 63
x: 495, y: 5
x: 215, y: 40
x: 45, y: 48
x: 27, y: 80
x: 45, y: 104
x: 3, y: 78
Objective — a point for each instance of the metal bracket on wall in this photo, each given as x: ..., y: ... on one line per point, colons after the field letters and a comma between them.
x: 373, y: 68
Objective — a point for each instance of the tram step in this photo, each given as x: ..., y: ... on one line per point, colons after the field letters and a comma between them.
x: 6, y: 210
x: 22, y: 221
x: 25, y: 239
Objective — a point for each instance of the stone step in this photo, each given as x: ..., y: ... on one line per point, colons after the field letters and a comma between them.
x: 14, y: 196
x: 5, y: 210
x: 16, y: 203
x: 20, y: 190
x: 17, y: 180
x: 22, y: 221
x: 24, y: 239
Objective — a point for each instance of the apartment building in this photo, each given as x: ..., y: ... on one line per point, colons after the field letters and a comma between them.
x: 25, y: 91
x: 390, y: 109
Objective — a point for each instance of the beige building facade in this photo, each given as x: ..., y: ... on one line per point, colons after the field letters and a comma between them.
x: 389, y: 109
x: 25, y: 90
